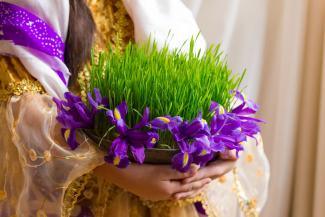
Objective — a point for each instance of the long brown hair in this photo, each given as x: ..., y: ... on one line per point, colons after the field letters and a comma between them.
x: 80, y: 37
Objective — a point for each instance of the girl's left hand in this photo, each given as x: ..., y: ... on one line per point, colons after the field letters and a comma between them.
x: 212, y: 170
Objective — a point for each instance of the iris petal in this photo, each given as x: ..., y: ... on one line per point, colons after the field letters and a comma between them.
x: 182, y: 161
x: 138, y: 153
x: 70, y: 136
x: 144, y: 120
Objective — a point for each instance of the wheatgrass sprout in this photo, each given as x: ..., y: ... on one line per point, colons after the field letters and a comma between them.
x: 168, y: 82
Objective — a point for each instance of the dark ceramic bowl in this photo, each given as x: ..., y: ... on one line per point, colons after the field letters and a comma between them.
x: 152, y: 156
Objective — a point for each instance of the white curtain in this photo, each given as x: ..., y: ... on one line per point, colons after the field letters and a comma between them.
x: 239, y: 25
x: 281, y: 43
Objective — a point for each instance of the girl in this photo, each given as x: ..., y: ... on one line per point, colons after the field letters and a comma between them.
x: 45, y: 46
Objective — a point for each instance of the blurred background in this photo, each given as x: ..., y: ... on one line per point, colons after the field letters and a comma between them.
x: 281, y: 43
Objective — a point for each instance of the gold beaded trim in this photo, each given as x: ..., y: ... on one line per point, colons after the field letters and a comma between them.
x: 248, y: 206
x: 84, y: 83
x: 164, y: 207
x: 18, y: 88
x: 72, y: 194
x: 115, y: 28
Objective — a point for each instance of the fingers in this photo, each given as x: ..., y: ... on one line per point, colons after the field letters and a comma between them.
x: 228, y: 155
x: 171, y: 174
x: 212, y: 170
x: 189, y: 194
x: 189, y: 187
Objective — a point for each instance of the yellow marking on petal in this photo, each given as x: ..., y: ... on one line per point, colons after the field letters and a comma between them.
x: 204, y: 121
x: 185, y: 159
x: 203, y: 152
x: 221, y: 110
x: 164, y: 119
x: 153, y: 141
x: 242, y: 143
x: 116, y: 160
x: 67, y: 134
x: 117, y: 114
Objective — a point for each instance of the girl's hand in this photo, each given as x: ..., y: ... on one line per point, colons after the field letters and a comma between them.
x: 154, y: 182
x: 213, y: 170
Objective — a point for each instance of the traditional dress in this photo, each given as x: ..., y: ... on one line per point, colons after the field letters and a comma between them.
x: 41, y: 175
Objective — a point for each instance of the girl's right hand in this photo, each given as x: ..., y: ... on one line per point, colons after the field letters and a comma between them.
x: 153, y: 182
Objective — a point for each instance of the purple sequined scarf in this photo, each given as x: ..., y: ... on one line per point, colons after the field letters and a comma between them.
x: 26, y: 29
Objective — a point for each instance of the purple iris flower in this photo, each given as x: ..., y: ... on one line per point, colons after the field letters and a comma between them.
x: 205, y: 149
x: 165, y: 122
x: 246, y: 107
x: 216, y: 108
x: 192, y: 150
x: 118, y: 153
x: 117, y: 117
x: 197, y: 140
x: 226, y: 130
x: 73, y: 114
x: 134, y: 138
x: 249, y: 125
x: 99, y: 102
x: 232, y: 128
x: 183, y: 160
x: 183, y: 130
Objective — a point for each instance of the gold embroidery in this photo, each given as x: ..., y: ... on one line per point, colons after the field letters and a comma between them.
x: 15, y: 80
x: 40, y: 213
x: 47, y: 156
x: 83, y: 81
x: 115, y: 29
x: 88, y: 194
x: 249, y: 158
x: 32, y: 155
x: 248, y: 206
x: 20, y: 87
x: 209, y: 210
x: 72, y: 194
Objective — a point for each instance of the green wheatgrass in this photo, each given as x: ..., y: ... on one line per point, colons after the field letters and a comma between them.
x: 168, y: 82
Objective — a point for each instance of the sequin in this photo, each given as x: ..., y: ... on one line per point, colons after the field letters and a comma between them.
x: 47, y: 155
x: 32, y: 155
x: 18, y: 25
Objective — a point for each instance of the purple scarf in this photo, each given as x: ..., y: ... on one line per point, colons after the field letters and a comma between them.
x: 26, y: 29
